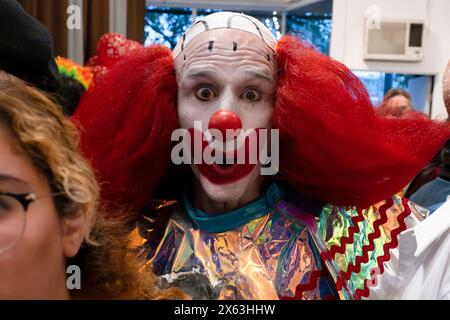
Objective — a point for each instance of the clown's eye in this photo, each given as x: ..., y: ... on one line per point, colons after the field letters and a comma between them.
x: 205, y: 93
x: 251, y: 95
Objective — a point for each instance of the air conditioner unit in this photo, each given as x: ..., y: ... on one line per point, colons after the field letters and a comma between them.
x: 394, y: 40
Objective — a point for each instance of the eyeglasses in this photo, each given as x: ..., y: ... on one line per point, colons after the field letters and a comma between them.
x: 13, y: 209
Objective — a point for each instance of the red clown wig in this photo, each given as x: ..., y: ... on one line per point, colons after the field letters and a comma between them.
x: 333, y: 146
x: 126, y: 120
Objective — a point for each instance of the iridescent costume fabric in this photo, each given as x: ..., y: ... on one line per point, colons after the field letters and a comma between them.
x: 287, y: 253
x: 355, y: 243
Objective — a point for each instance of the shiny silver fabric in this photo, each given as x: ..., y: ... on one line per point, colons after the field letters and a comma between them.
x: 285, y: 254
x: 268, y: 258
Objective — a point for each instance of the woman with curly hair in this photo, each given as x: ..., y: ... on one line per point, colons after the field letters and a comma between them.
x: 49, y: 216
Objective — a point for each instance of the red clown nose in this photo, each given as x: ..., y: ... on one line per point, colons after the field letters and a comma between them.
x: 223, y: 120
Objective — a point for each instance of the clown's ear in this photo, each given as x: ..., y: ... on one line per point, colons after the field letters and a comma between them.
x: 332, y: 145
x: 126, y: 120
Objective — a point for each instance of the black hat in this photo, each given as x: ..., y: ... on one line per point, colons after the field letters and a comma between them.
x: 26, y: 47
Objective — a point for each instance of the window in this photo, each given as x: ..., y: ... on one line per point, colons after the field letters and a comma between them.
x: 316, y: 29
x: 378, y: 83
x: 165, y: 25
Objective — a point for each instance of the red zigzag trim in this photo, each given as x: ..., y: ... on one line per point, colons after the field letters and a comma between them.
x: 348, y: 239
x: 364, y: 257
x: 387, y: 247
x: 311, y: 285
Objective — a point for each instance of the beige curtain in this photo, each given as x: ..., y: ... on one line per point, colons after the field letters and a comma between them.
x: 96, y: 24
x: 52, y: 13
x: 136, y: 20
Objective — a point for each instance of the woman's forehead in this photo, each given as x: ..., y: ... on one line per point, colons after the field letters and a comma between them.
x: 7, y: 76
x: 15, y: 168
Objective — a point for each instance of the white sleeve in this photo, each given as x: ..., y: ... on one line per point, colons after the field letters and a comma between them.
x: 420, y: 266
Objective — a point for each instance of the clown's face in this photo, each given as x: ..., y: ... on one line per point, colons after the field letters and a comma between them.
x: 226, y: 80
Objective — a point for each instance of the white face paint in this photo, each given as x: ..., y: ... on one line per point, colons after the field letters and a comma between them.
x: 226, y: 70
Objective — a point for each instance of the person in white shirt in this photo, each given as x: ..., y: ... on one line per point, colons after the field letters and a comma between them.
x: 419, y: 267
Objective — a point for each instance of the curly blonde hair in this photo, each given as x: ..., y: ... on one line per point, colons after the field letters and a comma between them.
x: 110, y: 269
x: 50, y: 141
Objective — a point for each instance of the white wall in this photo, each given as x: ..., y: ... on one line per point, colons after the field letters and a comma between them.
x: 75, y: 39
x: 348, y: 31
x: 118, y: 16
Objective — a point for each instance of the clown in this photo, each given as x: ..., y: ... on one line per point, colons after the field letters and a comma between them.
x: 320, y: 228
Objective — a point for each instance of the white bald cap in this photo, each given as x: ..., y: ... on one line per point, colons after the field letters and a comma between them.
x: 226, y: 20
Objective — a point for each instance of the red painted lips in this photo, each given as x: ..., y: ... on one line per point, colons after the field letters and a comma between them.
x: 225, y: 173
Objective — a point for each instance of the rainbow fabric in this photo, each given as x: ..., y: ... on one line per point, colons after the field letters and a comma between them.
x: 355, y: 243
x: 70, y: 69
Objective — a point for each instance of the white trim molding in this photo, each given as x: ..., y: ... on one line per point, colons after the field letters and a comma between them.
x: 75, y: 43
x: 118, y: 16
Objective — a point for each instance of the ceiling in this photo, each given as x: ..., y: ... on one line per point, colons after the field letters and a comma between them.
x: 295, y: 6
x: 318, y: 7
